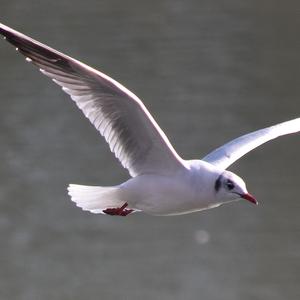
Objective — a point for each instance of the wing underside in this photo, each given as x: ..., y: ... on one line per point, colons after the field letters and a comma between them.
x: 227, y: 154
x: 119, y: 115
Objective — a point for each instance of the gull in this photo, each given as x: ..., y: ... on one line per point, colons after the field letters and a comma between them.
x: 161, y: 183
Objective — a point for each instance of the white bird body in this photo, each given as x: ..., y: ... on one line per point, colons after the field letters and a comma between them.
x: 162, y: 182
x: 189, y: 189
x: 181, y: 192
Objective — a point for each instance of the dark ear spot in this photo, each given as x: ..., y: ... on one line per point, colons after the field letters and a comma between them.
x: 218, y: 183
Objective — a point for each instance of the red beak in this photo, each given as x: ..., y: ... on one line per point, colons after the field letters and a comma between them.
x: 250, y: 198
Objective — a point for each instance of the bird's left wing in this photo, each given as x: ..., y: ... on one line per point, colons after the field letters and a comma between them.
x: 119, y: 115
x: 227, y: 154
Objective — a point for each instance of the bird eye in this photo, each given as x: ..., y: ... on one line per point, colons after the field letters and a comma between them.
x: 229, y: 184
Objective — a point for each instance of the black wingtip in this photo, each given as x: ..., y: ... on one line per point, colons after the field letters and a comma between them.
x: 28, y: 46
x: 8, y: 33
x: 3, y: 30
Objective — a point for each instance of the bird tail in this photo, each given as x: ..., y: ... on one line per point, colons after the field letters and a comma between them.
x: 95, y: 198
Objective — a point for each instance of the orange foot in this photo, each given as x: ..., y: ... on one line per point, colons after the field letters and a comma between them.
x: 119, y: 211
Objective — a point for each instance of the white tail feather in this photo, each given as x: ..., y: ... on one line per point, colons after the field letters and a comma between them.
x: 95, y: 198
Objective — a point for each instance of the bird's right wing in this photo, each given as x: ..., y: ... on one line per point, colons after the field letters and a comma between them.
x: 119, y: 115
x: 227, y: 154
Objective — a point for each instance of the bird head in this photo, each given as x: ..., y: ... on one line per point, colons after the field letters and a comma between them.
x: 229, y: 187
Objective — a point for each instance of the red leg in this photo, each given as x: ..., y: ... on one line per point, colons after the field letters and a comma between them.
x: 118, y: 211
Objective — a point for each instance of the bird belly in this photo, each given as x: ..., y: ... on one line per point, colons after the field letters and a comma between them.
x: 162, y: 195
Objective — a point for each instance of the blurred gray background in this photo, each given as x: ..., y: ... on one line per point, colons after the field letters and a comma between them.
x: 208, y: 71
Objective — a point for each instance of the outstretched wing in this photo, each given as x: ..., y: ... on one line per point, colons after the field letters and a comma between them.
x: 119, y: 115
x: 227, y: 154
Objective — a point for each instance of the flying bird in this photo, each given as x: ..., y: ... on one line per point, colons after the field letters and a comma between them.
x: 161, y: 183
